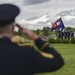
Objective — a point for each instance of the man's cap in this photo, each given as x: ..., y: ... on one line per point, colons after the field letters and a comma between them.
x: 8, y: 12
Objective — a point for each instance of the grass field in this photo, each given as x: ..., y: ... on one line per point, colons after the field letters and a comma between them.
x: 68, y: 53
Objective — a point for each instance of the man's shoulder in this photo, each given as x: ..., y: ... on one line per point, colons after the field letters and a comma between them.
x: 21, y: 51
x: 24, y: 47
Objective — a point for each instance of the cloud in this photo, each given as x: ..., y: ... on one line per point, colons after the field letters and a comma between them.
x: 30, y: 14
x: 67, y: 13
x: 33, y: 2
x: 35, y: 21
x: 16, y: 2
x: 69, y: 17
x: 69, y: 23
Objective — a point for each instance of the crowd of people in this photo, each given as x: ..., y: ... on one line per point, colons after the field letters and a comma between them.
x: 66, y: 34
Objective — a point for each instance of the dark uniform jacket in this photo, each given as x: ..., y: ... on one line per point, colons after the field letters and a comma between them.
x: 17, y: 60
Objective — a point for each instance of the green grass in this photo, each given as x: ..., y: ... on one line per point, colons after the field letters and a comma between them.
x: 67, y: 51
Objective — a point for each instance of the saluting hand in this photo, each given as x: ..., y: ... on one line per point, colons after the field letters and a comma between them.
x: 31, y: 35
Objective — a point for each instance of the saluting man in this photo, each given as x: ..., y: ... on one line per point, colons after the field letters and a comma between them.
x: 17, y: 60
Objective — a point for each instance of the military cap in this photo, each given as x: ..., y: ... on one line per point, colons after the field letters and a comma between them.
x: 8, y: 12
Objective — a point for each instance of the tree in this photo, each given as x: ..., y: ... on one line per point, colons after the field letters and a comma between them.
x: 38, y: 31
x: 56, y: 32
x: 68, y: 28
x: 74, y: 29
x: 19, y: 33
x: 46, y: 31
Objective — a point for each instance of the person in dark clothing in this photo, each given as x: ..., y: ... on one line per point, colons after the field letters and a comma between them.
x: 23, y: 60
x: 65, y: 34
x: 59, y: 35
x: 68, y: 35
x: 72, y: 33
x: 62, y: 35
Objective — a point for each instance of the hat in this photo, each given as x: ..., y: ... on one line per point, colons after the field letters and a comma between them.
x: 8, y: 12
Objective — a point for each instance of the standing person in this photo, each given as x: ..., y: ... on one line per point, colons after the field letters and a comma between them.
x: 17, y: 60
x: 65, y: 34
x: 62, y: 35
x: 72, y: 33
x: 59, y: 35
x: 68, y: 35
